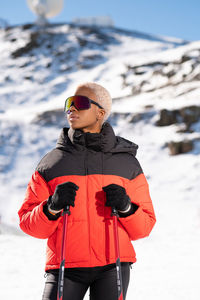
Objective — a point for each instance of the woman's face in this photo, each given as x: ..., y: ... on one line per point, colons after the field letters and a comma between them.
x: 88, y: 120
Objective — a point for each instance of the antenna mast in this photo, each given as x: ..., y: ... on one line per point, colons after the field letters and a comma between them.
x: 39, y: 6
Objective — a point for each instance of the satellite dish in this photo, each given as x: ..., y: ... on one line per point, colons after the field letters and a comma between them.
x: 45, y: 9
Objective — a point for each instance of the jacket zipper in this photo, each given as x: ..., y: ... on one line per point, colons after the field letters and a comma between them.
x: 88, y: 216
x: 104, y: 199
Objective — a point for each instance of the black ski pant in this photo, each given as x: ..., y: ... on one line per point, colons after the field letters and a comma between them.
x: 102, y: 282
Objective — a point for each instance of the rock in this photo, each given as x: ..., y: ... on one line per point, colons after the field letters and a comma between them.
x: 145, y: 116
x: 184, y: 58
x: 190, y: 114
x: 89, y: 61
x: 180, y: 147
x: 82, y: 42
x: 167, y: 117
x: 187, y: 115
x: 51, y: 118
x: 27, y: 26
x: 170, y: 74
x: 133, y: 117
x: 33, y: 43
x: 136, y: 90
x: 28, y: 77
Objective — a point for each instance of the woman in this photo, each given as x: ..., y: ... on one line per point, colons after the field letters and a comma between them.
x: 92, y: 171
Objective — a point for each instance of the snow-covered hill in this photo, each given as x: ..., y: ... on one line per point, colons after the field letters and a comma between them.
x: 154, y: 82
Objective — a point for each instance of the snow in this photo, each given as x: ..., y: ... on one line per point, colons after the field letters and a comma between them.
x: 169, y: 259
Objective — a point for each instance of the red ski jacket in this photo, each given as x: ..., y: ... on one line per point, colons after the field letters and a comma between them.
x: 92, y: 161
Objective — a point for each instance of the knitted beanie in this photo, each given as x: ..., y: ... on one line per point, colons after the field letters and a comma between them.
x: 96, y: 93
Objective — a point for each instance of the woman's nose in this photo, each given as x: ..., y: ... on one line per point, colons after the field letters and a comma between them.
x: 72, y: 108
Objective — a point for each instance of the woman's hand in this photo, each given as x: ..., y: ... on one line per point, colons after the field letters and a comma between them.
x: 63, y: 196
x: 116, y: 197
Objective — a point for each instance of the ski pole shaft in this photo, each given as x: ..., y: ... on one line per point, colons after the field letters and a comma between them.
x: 117, y: 253
x: 66, y: 213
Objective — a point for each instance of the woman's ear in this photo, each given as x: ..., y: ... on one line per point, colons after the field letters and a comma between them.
x: 100, y: 114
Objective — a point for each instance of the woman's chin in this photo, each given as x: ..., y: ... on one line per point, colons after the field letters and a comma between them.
x: 74, y: 126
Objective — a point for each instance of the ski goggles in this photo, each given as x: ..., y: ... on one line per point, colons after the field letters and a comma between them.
x: 80, y: 103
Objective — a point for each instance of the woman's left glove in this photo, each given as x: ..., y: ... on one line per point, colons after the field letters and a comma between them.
x: 116, y: 197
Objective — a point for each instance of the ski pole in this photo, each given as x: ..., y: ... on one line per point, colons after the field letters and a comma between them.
x: 66, y: 213
x: 117, y: 253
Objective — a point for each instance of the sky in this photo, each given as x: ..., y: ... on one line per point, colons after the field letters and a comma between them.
x: 176, y: 18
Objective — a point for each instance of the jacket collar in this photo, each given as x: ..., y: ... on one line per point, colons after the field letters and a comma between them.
x: 105, y: 141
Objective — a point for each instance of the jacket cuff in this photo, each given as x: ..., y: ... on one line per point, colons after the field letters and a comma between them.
x: 49, y: 215
x: 132, y: 210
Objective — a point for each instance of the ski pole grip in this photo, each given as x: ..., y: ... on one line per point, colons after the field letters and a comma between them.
x: 114, y: 212
x: 66, y: 210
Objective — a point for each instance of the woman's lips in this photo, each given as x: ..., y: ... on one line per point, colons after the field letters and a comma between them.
x: 73, y: 117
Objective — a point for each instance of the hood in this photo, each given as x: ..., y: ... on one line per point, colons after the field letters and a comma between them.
x: 105, y: 141
x: 124, y: 145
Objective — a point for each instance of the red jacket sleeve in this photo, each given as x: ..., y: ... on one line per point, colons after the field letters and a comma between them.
x: 33, y: 221
x: 139, y: 224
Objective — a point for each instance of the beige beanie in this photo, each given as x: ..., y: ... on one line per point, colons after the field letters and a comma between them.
x: 96, y: 93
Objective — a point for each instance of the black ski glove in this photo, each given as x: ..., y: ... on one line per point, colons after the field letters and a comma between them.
x: 64, y: 195
x: 116, y: 197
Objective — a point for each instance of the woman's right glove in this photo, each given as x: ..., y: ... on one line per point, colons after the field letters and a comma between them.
x: 63, y: 196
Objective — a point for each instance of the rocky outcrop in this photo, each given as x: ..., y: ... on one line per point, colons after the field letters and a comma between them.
x: 32, y: 44
x: 155, y: 75
x: 180, y: 147
x: 54, y: 118
x: 187, y: 115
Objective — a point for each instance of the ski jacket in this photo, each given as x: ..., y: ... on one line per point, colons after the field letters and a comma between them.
x: 91, y: 161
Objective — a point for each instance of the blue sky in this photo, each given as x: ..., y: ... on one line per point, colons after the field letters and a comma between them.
x: 177, y: 18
